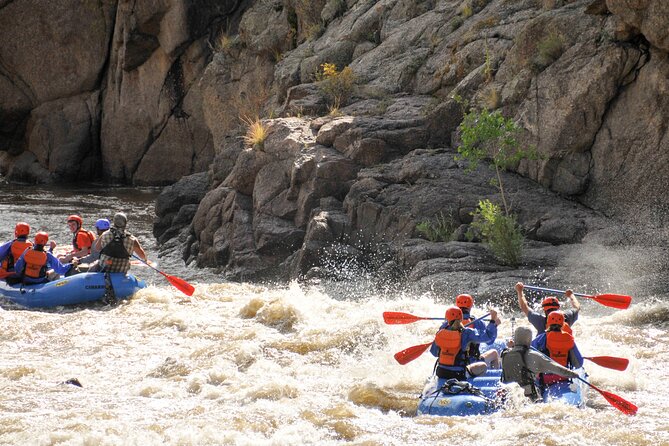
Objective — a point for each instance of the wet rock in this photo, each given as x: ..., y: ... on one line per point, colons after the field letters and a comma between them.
x: 73, y: 381
x: 177, y: 204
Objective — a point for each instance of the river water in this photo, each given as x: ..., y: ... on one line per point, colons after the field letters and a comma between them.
x: 278, y: 365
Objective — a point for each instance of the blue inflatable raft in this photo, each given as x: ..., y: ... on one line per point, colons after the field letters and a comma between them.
x: 73, y: 290
x: 476, y: 396
x: 572, y: 391
x: 480, y: 395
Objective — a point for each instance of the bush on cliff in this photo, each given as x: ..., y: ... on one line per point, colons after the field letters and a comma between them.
x: 486, y: 134
x: 440, y: 230
x: 500, y: 232
x: 489, y: 135
x: 337, y: 86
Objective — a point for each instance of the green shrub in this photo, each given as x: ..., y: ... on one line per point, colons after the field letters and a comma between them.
x: 489, y: 135
x: 337, y: 86
x: 456, y: 23
x: 549, y: 49
x: 500, y: 232
x: 440, y: 230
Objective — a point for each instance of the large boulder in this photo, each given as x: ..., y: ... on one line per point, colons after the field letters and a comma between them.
x: 153, y: 128
x: 51, y: 59
x: 649, y: 17
x: 61, y: 134
x: 177, y: 204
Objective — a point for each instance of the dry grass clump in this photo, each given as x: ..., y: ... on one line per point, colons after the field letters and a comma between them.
x: 256, y: 132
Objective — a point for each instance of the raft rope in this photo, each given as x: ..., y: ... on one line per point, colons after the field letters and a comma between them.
x: 454, y: 387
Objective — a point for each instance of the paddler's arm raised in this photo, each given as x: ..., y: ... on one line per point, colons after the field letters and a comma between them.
x: 574, y: 303
x: 522, y: 302
x: 490, y: 333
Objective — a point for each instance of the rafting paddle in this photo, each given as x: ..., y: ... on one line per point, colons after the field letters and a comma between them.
x: 619, y: 403
x: 396, y: 317
x: 179, y: 283
x: 409, y: 354
x: 619, y: 301
x: 622, y: 405
x: 610, y: 362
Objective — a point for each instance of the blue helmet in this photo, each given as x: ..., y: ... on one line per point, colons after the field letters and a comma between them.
x: 102, y: 224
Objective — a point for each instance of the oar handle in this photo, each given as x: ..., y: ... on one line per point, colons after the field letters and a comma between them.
x: 477, y: 319
x: 148, y: 264
x: 466, y: 325
x: 550, y: 290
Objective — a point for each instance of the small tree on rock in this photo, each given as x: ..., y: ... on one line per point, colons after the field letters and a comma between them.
x: 489, y: 135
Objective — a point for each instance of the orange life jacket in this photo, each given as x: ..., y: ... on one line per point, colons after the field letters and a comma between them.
x: 448, y: 342
x: 558, y: 344
x: 17, y: 248
x: 567, y: 329
x: 88, y: 234
x: 35, y: 264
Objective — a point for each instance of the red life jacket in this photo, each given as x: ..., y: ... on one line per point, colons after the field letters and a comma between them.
x: 559, y: 343
x: 448, y: 342
x: 567, y: 329
x: 88, y: 234
x: 35, y: 264
x: 17, y: 248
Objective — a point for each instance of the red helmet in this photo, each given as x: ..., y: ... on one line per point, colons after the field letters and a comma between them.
x: 464, y: 301
x: 453, y: 314
x: 76, y: 218
x: 41, y: 238
x: 550, y: 303
x: 21, y: 229
x: 555, y: 318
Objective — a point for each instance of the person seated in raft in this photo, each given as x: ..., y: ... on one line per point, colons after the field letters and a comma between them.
x: 116, y: 246
x: 452, y: 342
x: 465, y: 302
x: 549, y: 304
x: 91, y: 262
x: 12, y: 250
x: 521, y: 364
x: 557, y: 342
x: 82, y: 240
x: 35, y: 262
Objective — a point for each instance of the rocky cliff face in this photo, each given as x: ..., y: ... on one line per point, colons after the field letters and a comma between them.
x: 585, y: 79
x: 334, y: 194
x: 106, y: 90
